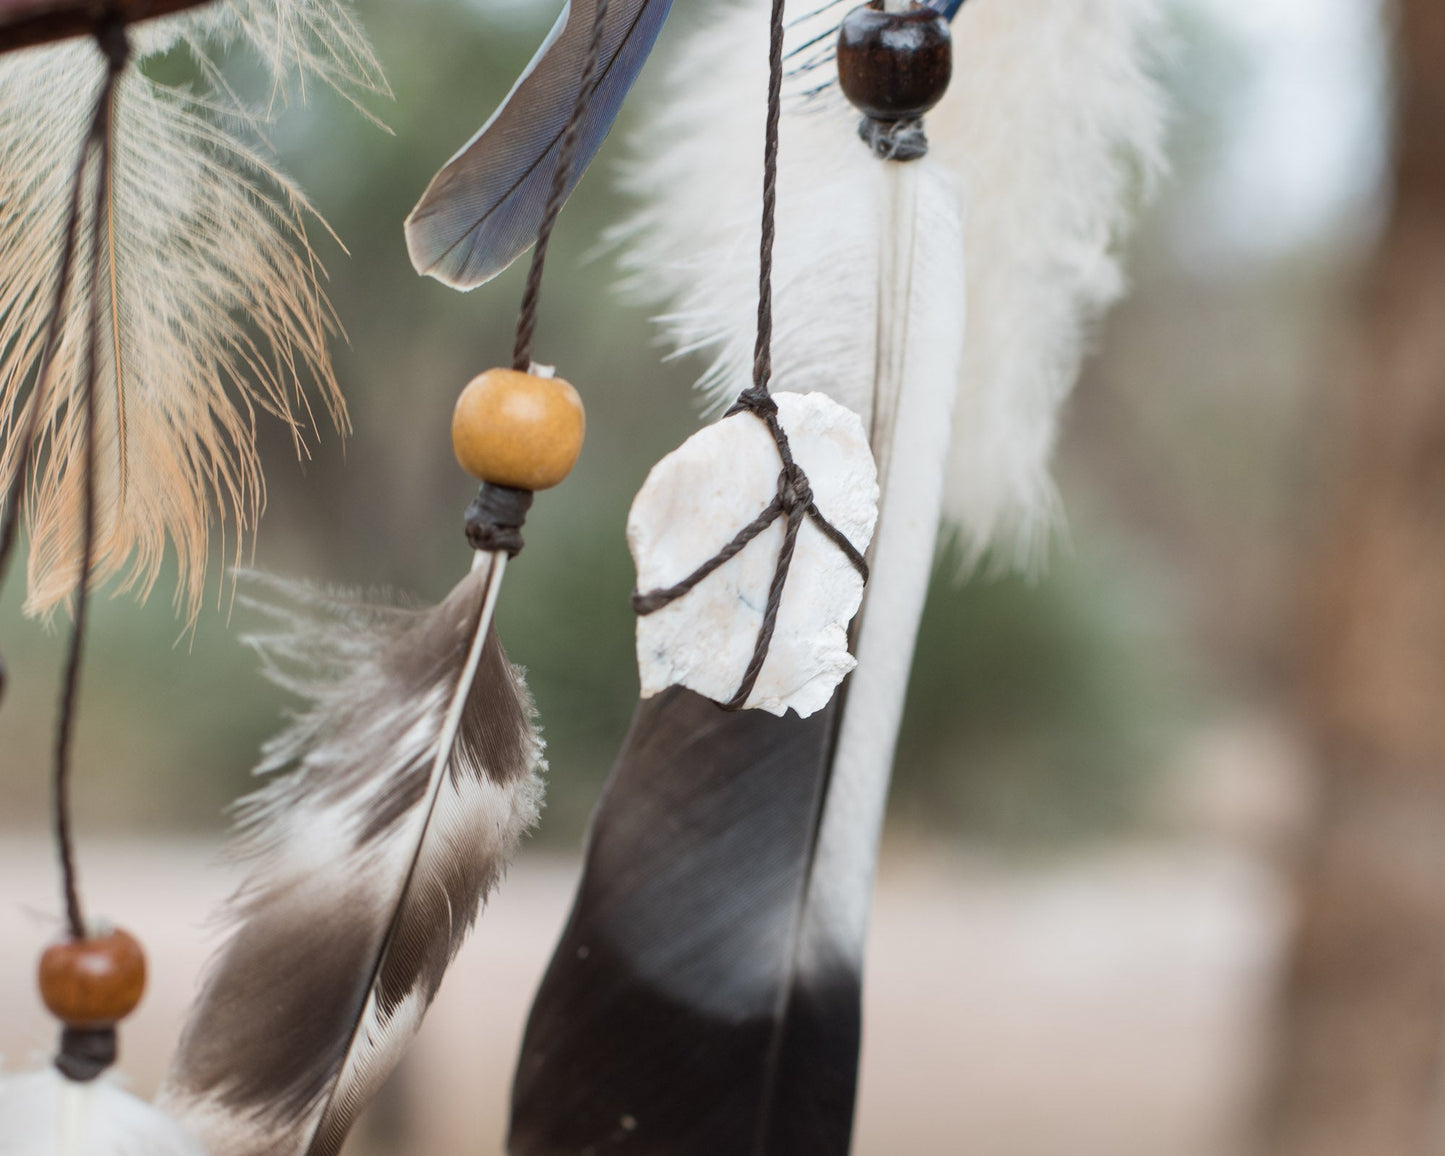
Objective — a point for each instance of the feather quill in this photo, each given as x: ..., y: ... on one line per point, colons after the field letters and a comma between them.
x: 211, y: 296
x: 482, y: 210
x: 705, y: 996
x: 45, y: 1114
x: 413, y: 775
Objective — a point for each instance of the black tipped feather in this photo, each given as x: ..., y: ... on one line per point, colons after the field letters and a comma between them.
x: 482, y: 210
x: 687, y: 1009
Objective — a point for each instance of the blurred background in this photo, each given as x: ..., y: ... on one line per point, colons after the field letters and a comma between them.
x: 1165, y: 870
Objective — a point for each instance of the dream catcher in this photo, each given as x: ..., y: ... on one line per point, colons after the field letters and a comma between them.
x: 705, y: 994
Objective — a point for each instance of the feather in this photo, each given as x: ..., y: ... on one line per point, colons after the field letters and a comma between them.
x: 1041, y: 88
x: 211, y: 297
x: 707, y: 986
x: 44, y: 1114
x: 482, y: 210
x: 705, y: 996
x: 414, y: 773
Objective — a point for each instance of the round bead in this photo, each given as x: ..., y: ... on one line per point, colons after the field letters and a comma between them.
x: 95, y: 982
x: 894, y: 65
x: 518, y: 429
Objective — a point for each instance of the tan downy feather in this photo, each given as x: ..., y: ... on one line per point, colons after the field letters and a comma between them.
x: 211, y: 296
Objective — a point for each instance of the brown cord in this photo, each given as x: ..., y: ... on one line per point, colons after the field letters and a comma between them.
x: 111, y: 38
x: 15, y: 495
x: 794, y: 499
x: 531, y: 295
x: 494, y: 519
x: 113, y: 42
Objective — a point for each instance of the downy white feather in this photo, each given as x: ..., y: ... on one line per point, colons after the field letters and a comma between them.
x: 44, y: 1114
x: 413, y: 775
x: 211, y: 295
x: 1050, y: 123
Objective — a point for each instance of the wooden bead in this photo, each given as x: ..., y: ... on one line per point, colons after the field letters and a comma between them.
x: 92, y: 983
x: 518, y: 429
x: 894, y: 65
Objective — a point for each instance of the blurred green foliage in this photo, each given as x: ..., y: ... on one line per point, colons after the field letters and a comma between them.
x: 1036, y: 710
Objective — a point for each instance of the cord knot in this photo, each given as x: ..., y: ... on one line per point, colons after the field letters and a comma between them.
x: 112, y: 39
x: 894, y: 140
x: 86, y: 1053
x: 495, y: 517
x: 795, y: 492
x: 757, y: 400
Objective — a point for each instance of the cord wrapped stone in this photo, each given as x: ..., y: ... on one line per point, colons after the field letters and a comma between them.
x: 793, y: 501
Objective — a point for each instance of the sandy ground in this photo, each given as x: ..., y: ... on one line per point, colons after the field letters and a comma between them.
x: 1115, y: 1005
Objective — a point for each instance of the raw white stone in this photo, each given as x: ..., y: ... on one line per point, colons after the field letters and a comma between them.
x: 696, y: 500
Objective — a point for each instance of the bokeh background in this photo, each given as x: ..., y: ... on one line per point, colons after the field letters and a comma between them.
x: 1127, y: 903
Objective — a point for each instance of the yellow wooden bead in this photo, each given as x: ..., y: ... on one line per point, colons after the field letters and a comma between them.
x: 517, y: 429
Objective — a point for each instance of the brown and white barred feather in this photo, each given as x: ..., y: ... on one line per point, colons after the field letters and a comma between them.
x: 407, y: 793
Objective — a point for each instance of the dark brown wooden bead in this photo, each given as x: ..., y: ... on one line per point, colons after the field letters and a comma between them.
x: 894, y: 65
x: 93, y: 983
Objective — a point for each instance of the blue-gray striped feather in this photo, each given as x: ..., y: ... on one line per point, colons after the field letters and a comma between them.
x: 482, y: 210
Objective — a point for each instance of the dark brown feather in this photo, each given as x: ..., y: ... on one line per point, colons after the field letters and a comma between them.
x: 677, y: 1016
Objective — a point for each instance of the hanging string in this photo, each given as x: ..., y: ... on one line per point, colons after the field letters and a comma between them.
x: 113, y: 42
x: 763, y: 347
x: 495, y: 518
x: 111, y: 37
x: 15, y: 493
x: 531, y: 295
x: 794, y: 498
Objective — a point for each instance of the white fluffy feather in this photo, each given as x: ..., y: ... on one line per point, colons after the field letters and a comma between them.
x: 1051, y: 122
x: 44, y: 1114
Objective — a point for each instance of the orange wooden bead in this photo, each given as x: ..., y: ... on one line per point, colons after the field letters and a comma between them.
x: 93, y: 982
x: 518, y: 429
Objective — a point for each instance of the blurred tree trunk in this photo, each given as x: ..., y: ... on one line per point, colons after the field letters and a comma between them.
x: 1360, y: 1070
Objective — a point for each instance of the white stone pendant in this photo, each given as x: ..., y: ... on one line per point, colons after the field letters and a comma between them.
x: 696, y: 500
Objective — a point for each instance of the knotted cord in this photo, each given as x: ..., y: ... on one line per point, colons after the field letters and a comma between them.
x: 794, y: 498
x: 495, y: 517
